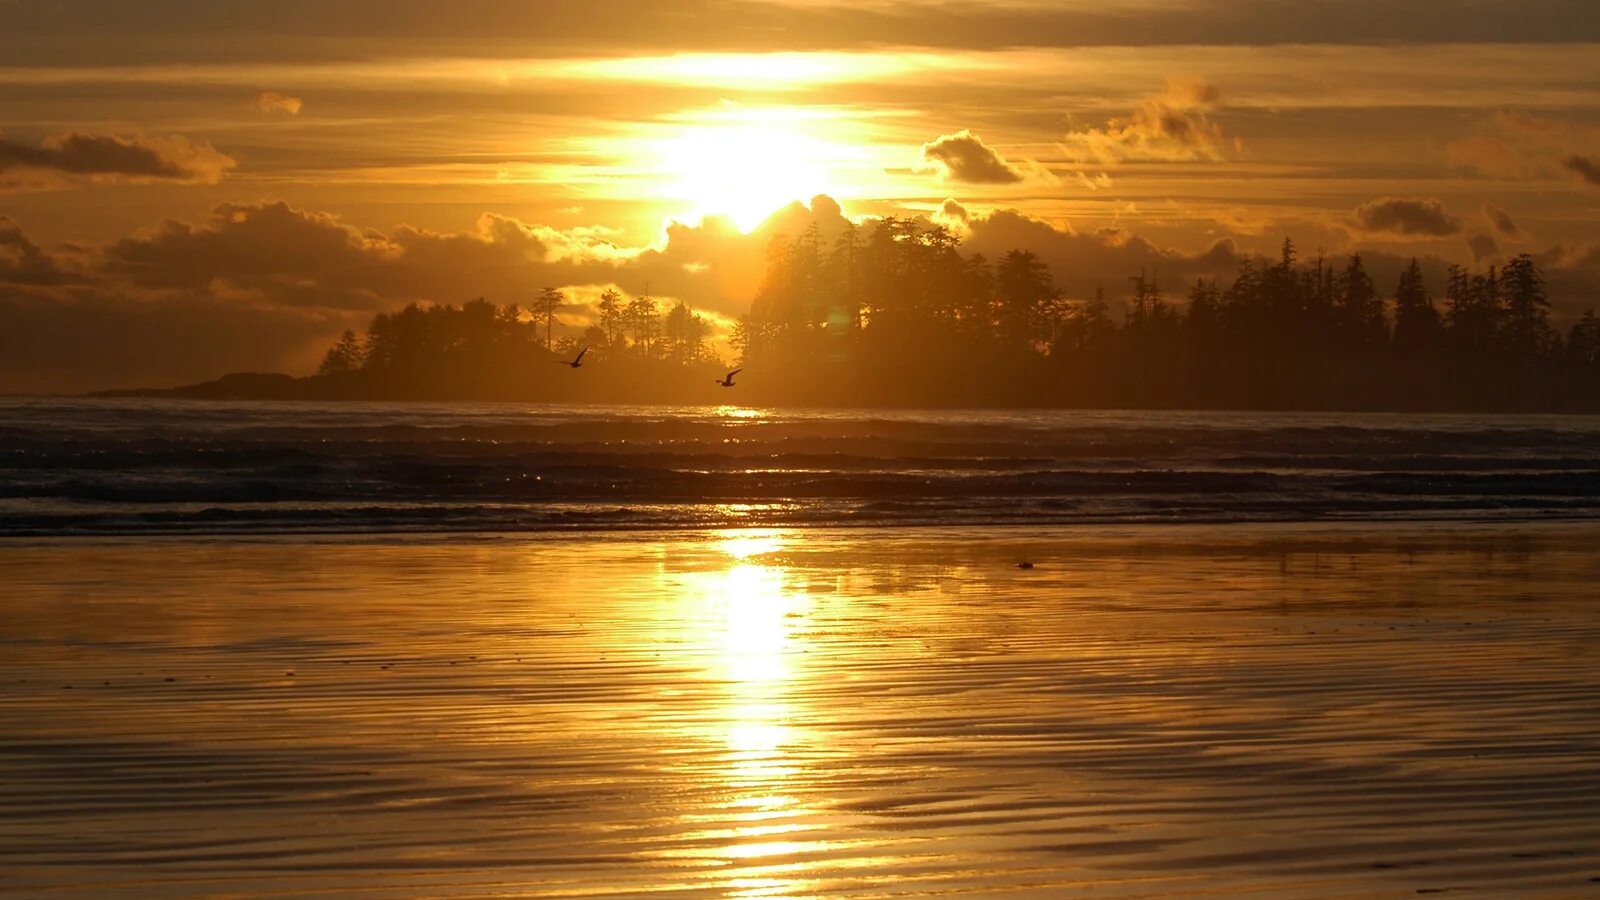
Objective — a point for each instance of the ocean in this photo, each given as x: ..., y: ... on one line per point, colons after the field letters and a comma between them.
x: 79, y: 466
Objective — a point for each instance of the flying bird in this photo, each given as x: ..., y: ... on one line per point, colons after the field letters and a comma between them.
x: 577, y: 360
x: 728, y: 381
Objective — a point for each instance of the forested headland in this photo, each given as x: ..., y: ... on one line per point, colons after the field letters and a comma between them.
x: 896, y: 315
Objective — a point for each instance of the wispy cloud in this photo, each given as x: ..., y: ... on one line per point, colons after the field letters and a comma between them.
x: 1503, y: 224
x: 1174, y: 125
x: 274, y: 102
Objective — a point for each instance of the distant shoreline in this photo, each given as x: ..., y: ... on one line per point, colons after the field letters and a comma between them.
x: 344, y: 388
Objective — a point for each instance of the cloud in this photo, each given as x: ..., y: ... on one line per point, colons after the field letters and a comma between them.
x: 952, y: 212
x: 1408, y: 216
x: 291, y: 279
x: 1174, y: 125
x: 308, y: 30
x: 1483, y: 247
x: 1242, y: 221
x: 103, y: 157
x: 967, y: 159
x: 1099, y: 182
x: 1085, y: 261
x: 1586, y: 168
x: 293, y: 256
x: 22, y: 262
x: 1503, y: 224
x: 274, y: 102
x: 1526, y: 146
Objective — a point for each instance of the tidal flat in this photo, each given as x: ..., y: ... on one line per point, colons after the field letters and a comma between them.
x: 1313, y: 710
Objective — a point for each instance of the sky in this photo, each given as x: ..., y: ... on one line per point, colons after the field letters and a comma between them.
x: 190, y: 189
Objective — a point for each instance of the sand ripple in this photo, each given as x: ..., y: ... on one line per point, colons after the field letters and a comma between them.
x: 1158, y: 712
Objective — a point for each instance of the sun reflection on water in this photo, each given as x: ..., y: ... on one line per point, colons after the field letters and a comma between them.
x: 755, y: 664
x: 759, y: 824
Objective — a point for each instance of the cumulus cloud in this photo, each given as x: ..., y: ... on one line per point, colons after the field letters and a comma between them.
x: 1084, y: 261
x: 952, y: 213
x: 1406, y: 216
x: 274, y: 102
x: 104, y: 157
x: 289, y: 255
x: 967, y: 159
x: 1587, y: 168
x: 306, y: 258
x: 1503, y: 224
x: 1174, y: 125
x: 23, y: 262
x: 292, y: 279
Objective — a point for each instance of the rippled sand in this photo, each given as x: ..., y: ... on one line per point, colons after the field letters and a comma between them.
x: 1160, y: 711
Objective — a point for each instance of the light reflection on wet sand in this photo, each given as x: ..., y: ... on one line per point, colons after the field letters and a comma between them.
x: 1305, y: 711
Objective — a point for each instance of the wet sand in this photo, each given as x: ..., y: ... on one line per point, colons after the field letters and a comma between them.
x: 1295, y: 711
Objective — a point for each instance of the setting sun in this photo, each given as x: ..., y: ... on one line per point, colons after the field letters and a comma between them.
x: 746, y: 164
x: 744, y: 172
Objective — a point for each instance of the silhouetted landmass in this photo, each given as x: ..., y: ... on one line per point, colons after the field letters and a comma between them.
x: 895, y: 315
x: 237, y: 386
x: 481, y: 351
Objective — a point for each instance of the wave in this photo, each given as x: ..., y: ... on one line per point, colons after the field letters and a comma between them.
x: 118, y: 466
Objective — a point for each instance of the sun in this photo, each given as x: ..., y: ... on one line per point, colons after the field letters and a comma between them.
x: 746, y: 170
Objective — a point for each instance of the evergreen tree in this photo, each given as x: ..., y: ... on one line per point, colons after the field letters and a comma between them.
x: 642, y: 321
x: 1023, y: 293
x: 1146, y: 304
x: 1416, y: 322
x: 544, y: 310
x: 612, y: 314
x: 1583, y: 342
x: 346, y: 356
x: 1525, y: 328
x: 1204, y: 317
x: 1359, y: 308
x: 684, y: 335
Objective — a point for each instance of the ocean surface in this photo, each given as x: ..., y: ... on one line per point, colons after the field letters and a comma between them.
x: 175, y: 466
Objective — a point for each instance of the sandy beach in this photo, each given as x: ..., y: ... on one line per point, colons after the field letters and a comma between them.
x: 1161, y: 711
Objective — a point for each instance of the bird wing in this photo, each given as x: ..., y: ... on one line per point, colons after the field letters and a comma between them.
x: 733, y: 373
x: 580, y: 354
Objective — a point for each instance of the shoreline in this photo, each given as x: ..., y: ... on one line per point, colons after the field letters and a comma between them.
x: 645, y: 530
x: 762, y: 401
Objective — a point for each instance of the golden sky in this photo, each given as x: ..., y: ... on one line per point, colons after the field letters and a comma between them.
x: 237, y: 182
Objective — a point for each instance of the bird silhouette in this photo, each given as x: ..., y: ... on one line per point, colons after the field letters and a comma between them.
x: 728, y: 380
x: 576, y: 361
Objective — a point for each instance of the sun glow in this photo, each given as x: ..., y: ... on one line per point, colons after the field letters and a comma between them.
x: 746, y: 172
x: 746, y: 163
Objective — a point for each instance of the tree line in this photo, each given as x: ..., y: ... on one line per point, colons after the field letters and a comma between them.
x: 899, y: 313
x: 894, y: 314
x: 483, y: 350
